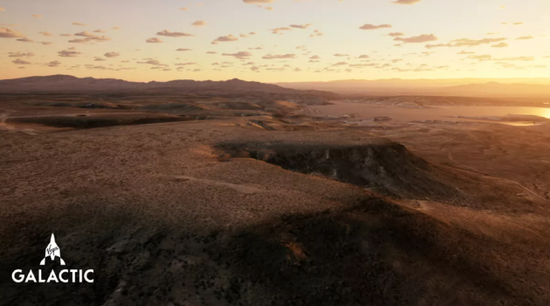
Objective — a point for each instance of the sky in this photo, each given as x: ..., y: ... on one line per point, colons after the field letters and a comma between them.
x: 275, y: 40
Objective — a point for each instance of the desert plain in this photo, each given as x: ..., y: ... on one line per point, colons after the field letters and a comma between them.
x: 242, y: 198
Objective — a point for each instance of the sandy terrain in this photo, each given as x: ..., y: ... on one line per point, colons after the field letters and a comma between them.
x: 271, y: 207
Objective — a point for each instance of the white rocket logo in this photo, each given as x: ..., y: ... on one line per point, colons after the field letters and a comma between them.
x: 52, y: 250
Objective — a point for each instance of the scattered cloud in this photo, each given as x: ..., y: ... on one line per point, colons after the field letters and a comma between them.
x: 45, y: 33
x: 278, y: 30
x: 282, y: 56
x: 111, y: 54
x: 20, y: 54
x: 183, y: 49
x: 68, y: 53
x: 340, y: 55
x: 21, y: 62
x: 301, y: 26
x: 199, y: 23
x: 467, y: 42
x: 525, y: 37
x: 36, y: 15
x: 88, y: 37
x: 226, y: 38
x: 151, y: 61
x: 500, y: 45
x: 396, y: 34
x: 53, y: 64
x: 24, y: 39
x: 375, y: 27
x: 9, y: 33
x: 173, y: 34
x: 79, y: 24
x: 340, y: 64
x: 239, y: 55
x: 154, y: 40
x: 417, y: 39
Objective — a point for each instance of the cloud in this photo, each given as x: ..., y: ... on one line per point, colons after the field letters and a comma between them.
x: 396, y: 34
x: 53, y: 64
x: 226, y: 38
x: 340, y: 55
x: 500, y: 45
x: 36, y: 15
x: 20, y: 54
x: 282, y: 56
x: 99, y: 31
x: 374, y: 27
x: 517, y: 23
x: 316, y: 33
x: 20, y: 62
x: 211, y: 52
x: 525, y: 37
x: 24, y: 39
x: 277, y: 30
x: 183, y: 49
x: 186, y: 64
x: 154, y: 62
x: 45, y: 33
x: 464, y: 53
x: 340, y: 64
x: 301, y: 26
x: 2, y: 9
x: 154, y: 40
x: 407, y: 2
x: 173, y: 34
x: 9, y: 33
x: 417, y: 39
x: 239, y: 55
x: 184, y: 9
x: 315, y: 57
x: 99, y: 59
x: 46, y: 43
x: 467, y: 42
x: 364, y: 56
x: 111, y: 54
x: 198, y: 23
x: 116, y: 28
x: 68, y: 53
x: 79, y: 24
x: 88, y: 37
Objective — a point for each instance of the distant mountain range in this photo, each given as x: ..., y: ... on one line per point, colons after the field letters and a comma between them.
x: 68, y: 84
x: 535, y: 87
x: 527, y: 88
